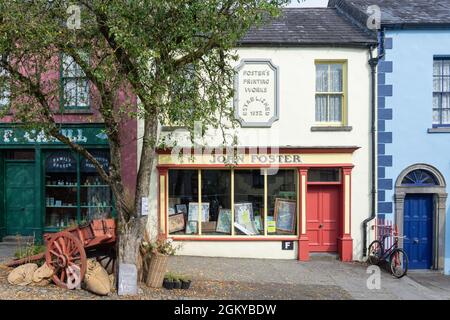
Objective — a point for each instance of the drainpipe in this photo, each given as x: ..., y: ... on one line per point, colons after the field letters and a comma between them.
x: 373, y: 62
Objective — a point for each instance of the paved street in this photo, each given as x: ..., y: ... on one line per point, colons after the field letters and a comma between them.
x: 226, y: 278
x: 315, y: 279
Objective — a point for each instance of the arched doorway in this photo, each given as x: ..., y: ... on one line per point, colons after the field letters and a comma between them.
x: 420, y: 203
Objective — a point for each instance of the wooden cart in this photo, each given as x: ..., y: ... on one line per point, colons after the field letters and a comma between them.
x: 68, y: 250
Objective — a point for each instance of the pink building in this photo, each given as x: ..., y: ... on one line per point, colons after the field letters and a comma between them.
x: 44, y: 186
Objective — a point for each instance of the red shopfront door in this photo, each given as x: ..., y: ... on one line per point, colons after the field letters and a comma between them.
x: 322, y: 217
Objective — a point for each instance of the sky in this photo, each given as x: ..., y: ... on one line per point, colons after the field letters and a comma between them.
x: 308, y: 3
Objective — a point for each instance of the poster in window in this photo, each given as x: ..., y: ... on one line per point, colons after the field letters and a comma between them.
x: 285, y: 212
x: 224, y: 221
x: 176, y: 223
x: 181, y: 208
x: 244, y: 217
x: 191, y: 227
x: 193, y: 211
x: 258, y: 223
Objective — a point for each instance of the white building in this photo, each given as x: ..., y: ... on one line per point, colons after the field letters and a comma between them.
x: 304, y: 89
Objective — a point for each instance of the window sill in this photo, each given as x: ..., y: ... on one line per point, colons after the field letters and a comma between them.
x: 78, y: 111
x: 439, y: 130
x: 233, y: 238
x: 331, y: 129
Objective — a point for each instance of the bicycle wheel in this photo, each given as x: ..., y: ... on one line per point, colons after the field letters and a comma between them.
x: 398, y: 262
x: 375, y: 252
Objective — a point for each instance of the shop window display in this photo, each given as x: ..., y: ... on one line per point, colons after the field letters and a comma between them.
x: 249, y: 202
x: 74, y: 191
x: 183, y: 202
x: 216, y: 192
x: 222, y: 213
x: 282, y: 195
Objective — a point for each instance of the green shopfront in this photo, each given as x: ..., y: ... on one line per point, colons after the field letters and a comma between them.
x: 45, y: 186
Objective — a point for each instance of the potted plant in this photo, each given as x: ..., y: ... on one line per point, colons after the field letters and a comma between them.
x: 185, y: 282
x: 158, y: 253
x: 176, y: 283
x: 168, y: 281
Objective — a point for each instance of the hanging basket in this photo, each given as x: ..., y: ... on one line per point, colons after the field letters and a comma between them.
x: 156, y: 270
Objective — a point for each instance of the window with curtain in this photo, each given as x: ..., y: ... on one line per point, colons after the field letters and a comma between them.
x: 329, y: 92
x: 75, y: 85
x: 441, y: 92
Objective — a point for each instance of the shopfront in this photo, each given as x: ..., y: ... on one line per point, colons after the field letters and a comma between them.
x: 45, y: 186
x: 286, y: 204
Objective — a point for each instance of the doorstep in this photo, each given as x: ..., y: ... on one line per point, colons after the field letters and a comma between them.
x: 323, y: 256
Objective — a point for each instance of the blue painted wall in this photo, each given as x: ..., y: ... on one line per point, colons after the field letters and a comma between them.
x: 405, y: 113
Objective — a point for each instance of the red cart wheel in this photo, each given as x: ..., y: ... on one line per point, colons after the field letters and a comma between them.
x: 66, y: 256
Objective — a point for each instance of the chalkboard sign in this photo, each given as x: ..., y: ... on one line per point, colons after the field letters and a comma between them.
x: 102, y: 156
x: 127, y: 279
x: 61, y: 161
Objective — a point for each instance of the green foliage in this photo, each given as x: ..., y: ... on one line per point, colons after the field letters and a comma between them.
x: 172, y: 276
x: 29, y: 250
x: 159, y: 246
x: 175, y: 55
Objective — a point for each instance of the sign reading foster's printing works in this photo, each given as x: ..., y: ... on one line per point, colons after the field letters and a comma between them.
x: 256, y: 93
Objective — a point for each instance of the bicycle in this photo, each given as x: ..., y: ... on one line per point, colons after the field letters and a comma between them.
x: 398, y: 259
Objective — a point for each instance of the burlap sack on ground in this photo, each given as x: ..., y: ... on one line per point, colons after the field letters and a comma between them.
x: 42, y: 273
x: 112, y: 282
x: 96, y: 279
x: 42, y: 283
x: 22, y: 275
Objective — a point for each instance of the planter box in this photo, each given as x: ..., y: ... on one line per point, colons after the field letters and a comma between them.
x: 156, y: 270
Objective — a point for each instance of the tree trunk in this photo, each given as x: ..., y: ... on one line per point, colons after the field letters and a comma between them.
x: 148, y: 155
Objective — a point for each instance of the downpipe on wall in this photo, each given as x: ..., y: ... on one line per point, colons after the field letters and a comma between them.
x: 373, y: 63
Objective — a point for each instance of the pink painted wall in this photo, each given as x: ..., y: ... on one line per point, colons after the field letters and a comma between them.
x: 128, y: 127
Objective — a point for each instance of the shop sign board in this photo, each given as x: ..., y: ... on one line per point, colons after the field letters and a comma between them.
x: 256, y: 101
x: 257, y: 159
x: 127, y: 279
x: 16, y: 135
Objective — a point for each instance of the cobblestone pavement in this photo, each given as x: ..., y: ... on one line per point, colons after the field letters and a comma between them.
x: 226, y: 278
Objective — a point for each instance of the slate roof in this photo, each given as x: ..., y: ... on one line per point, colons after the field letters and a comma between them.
x: 308, y: 27
x: 400, y: 13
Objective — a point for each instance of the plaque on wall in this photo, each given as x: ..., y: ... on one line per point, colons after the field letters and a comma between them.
x: 256, y: 101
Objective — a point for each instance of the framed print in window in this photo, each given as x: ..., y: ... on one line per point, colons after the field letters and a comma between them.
x: 285, y: 212
x: 224, y: 221
x: 193, y: 211
x: 181, y: 208
x: 191, y: 227
x: 176, y: 223
x: 244, y: 219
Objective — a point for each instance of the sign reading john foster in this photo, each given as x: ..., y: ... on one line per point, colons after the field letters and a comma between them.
x: 256, y: 89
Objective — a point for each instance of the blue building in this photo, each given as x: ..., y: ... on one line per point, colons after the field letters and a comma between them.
x: 413, y: 122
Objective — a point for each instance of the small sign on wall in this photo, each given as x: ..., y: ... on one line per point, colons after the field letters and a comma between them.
x: 256, y: 99
x: 144, y: 206
x: 287, y: 245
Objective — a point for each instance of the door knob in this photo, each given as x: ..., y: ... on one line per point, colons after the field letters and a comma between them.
x: 416, y: 241
x: 320, y: 226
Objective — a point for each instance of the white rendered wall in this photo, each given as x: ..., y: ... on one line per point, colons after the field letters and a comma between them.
x: 296, y: 117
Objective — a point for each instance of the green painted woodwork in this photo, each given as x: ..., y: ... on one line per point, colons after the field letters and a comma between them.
x: 22, y: 183
x: 2, y: 202
x: 17, y: 135
x: 20, y: 197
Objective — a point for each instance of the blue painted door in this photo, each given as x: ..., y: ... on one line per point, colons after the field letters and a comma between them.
x: 418, y: 230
